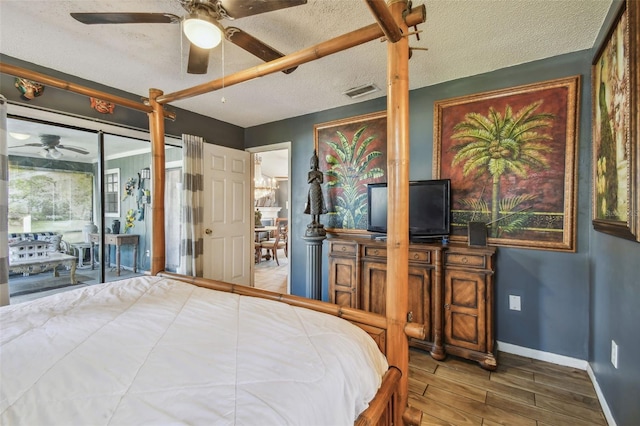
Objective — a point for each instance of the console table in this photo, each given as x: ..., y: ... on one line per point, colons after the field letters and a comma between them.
x: 41, y: 264
x: 118, y: 240
x: 450, y: 292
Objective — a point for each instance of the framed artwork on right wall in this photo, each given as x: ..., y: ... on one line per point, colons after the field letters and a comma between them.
x: 615, y: 92
x: 511, y: 158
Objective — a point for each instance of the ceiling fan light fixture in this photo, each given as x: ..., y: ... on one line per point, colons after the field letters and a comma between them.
x: 54, y: 153
x: 19, y: 136
x: 202, y: 30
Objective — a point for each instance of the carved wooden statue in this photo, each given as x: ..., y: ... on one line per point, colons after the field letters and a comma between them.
x: 315, y: 200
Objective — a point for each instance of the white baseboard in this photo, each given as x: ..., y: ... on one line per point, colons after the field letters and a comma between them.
x: 561, y: 360
x: 543, y: 356
x: 603, y: 402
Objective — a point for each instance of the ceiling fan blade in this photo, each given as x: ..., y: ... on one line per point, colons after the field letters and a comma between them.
x: 198, y: 60
x: 254, y: 46
x: 74, y: 149
x: 241, y: 8
x: 126, y: 18
x: 28, y: 144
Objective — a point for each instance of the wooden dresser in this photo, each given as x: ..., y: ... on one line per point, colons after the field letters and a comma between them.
x: 450, y: 292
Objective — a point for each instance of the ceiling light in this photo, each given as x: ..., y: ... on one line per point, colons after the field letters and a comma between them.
x: 202, y: 30
x: 50, y: 153
x: 19, y: 136
x: 262, y: 187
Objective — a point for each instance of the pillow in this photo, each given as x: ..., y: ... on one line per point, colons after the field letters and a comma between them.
x: 54, y: 240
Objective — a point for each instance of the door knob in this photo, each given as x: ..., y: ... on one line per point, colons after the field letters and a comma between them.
x: 208, y: 231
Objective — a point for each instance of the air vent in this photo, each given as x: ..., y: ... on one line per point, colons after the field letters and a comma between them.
x: 359, y: 91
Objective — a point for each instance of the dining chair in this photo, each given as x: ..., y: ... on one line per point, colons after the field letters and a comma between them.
x: 279, y: 242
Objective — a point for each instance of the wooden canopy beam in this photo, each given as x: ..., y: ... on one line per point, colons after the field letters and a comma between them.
x: 77, y: 88
x: 338, y: 44
x: 385, y: 20
x: 156, y: 129
x: 397, y: 297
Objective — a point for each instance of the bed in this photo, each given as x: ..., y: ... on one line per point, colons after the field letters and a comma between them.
x: 171, y: 352
x: 130, y: 361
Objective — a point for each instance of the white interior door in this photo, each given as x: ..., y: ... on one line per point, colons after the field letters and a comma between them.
x: 228, y: 246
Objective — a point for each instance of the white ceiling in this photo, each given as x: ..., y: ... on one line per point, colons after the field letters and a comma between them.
x: 463, y: 38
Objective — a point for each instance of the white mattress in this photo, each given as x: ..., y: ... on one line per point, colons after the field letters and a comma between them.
x: 156, y: 351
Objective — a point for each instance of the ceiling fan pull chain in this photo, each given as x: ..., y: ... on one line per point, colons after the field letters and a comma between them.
x: 223, y: 100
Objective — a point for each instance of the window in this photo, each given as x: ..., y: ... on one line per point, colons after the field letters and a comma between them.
x: 112, y: 193
x: 47, y: 199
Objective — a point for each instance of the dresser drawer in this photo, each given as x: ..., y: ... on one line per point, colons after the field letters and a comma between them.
x: 343, y: 248
x: 375, y: 251
x: 465, y: 259
x: 421, y: 256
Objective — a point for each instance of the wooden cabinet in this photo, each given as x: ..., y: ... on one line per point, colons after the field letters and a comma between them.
x: 343, y: 273
x: 468, y: 304
x: 450, y: 292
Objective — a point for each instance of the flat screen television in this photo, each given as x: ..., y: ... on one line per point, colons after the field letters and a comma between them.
x: 429, y: 208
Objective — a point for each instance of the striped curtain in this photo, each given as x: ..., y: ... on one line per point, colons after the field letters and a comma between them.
x: 191, y: 241
x: 4, y: 206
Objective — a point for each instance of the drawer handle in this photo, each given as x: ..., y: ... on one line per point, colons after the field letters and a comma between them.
x: 464, y: 260
x: 344, y: 248
x: 416, y: 256
x: 375, y: 251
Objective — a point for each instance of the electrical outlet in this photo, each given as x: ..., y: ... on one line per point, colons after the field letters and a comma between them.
x: 147, y: 253
x: 514, y: 302
x: 614, y: 353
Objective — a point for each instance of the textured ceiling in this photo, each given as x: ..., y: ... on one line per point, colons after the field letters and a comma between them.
x: 463, y: 38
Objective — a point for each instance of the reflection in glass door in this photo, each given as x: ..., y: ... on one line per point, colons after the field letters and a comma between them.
x: 51, y: 200
x: 126, y: 229
x: 79, y: 207
x: 127, y: 206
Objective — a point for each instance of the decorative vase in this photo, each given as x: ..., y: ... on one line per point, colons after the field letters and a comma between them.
x: 115, y: 226
x: 87, y: 229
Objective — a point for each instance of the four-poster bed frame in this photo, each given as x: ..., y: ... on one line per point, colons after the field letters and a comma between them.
x: 390, y: 332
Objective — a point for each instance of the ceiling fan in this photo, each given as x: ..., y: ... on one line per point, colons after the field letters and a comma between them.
x: 202, y: 27
x: 51, y: 147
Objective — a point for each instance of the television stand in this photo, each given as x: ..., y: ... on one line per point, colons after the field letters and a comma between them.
x: 450, y: 292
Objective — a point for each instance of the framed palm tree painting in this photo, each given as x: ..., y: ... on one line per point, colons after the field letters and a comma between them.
x: 616, y: 125
x: 352, y: 153
x: 511, y: 158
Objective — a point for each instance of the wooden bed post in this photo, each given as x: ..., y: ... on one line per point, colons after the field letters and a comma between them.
x: 398, y: 199
x: 156, y: 128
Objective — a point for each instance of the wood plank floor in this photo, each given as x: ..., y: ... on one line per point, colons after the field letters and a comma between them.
x: 270, y: 276
x: 522, y: 391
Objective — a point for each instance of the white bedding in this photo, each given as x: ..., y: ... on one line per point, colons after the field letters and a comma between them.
x: 152, y: 350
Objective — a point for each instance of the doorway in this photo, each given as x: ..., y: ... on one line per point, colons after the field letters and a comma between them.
x: 271, y: 195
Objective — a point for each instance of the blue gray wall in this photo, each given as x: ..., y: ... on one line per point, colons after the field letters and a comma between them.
x: 573, y: 304
x: 214, y: 131
x: 554, y: 287
x: 614, y: 312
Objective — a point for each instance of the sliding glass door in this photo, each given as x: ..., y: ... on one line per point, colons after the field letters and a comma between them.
x: 51, y: 198
x: 79, y: 207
